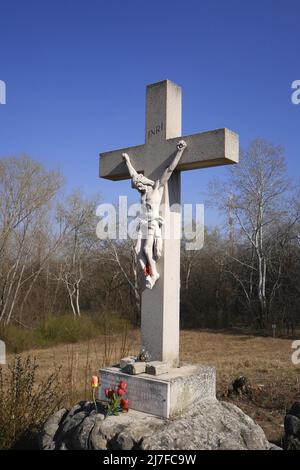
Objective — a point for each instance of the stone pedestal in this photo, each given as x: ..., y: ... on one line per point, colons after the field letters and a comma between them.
x: 165, y: 395
x: 208, y: 425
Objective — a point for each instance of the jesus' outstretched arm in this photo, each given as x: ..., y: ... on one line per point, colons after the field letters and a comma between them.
x: 138, y: 179
x: 133, y: 173
x: 181, y: 146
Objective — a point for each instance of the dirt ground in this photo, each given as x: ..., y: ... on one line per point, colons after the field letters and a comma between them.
x: 274, y: 382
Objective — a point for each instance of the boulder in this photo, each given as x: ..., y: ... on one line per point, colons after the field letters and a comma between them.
x: 291, y: 439
x: 209, y: 425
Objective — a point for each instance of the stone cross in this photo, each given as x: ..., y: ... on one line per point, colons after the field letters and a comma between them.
x: 160, y: 306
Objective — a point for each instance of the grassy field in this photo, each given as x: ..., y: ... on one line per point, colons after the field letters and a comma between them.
x: 266, y: 362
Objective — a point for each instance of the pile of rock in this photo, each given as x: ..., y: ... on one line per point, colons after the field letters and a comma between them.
x: 291, y: 439
x: 141, y: 365
x: 210, y: 425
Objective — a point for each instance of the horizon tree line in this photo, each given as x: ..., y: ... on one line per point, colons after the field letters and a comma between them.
x: 52, y: 263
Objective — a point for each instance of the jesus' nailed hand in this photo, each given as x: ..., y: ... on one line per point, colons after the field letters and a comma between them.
x: 149, y: 242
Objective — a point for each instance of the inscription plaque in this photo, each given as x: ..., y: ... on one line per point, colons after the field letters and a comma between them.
x: 164, y: 395
x: 144, y: 394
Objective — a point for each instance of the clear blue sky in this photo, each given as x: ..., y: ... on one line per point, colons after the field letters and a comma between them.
x: 76, y: 73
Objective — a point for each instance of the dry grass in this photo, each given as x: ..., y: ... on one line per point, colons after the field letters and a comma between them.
x: 266, y: 362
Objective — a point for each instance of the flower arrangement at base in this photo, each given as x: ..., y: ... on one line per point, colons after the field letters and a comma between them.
x: 116, y: 402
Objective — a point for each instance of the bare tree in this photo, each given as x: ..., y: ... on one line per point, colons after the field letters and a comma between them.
x: 77, y: 219
x: 257, y: 188
x: 124, y: 256
x: 26, y: 190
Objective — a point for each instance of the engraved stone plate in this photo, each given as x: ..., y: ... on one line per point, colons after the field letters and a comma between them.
x: 165, y: 395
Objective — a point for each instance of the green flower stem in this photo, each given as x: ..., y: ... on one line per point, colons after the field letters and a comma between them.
x: 94, y: 399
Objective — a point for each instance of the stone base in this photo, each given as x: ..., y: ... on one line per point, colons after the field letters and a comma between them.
x: 208, y: 425
x: 165, y: 395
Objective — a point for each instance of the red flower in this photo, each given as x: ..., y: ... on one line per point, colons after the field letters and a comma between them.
x: 106, y: 391
x: 123, y: 385
x: 125, y: 404
x: 120, y: 392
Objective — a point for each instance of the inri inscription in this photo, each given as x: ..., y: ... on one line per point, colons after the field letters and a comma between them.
x: 159, y: 128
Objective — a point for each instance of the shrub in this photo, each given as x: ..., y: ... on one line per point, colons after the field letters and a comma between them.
x: 64, y: 329
x: 25, y: 405
x: 60, y: 329
x: 17, y: 338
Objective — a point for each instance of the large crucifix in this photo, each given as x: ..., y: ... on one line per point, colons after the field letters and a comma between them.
x: 163, y: 146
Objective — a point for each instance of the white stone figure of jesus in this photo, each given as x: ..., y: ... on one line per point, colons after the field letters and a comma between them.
x: 149, y: 242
